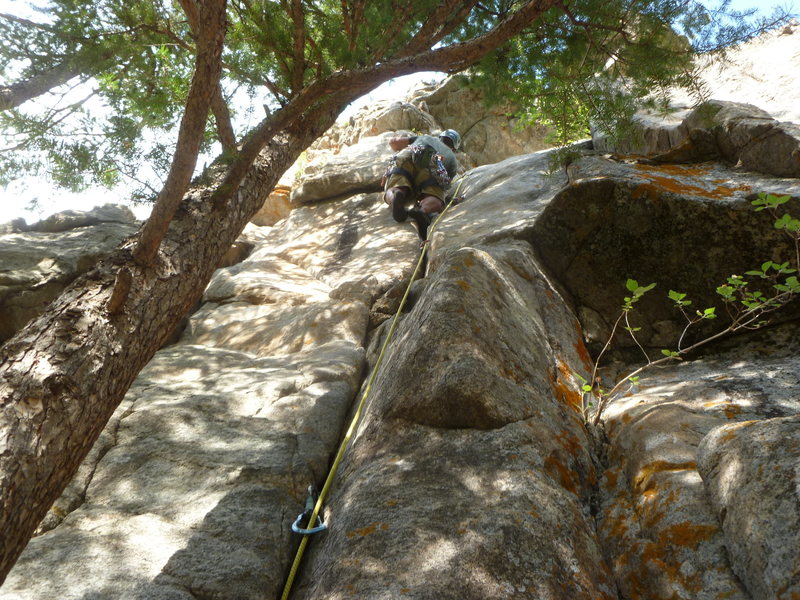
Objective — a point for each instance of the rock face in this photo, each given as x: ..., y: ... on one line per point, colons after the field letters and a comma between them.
x: 489, y: 134
x: 751, y: 474
x: 38, y: 261
x: 742, y: 134
x: 473, y: 472
x: 751, y: 122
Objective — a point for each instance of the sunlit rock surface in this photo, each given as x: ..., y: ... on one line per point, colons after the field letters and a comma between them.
x: 473, y: 473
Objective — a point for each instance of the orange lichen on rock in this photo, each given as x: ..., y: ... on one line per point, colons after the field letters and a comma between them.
x: 733, y: 430
x: 644, y: 477
x: 732, y: 410
x: 564, y: 387
x: 690, y: 184
x: 463, y: 285
x: 657, y: 563
x: 512, y: 373
x: 592, y: 479
x: 569, y: 442
x: 612, y: 476
x: 619, y: 529
x: 654, y: 509
x: 369, y: 529
x: 558, y: 471
x: 686, y: 534
x: 682, y: 170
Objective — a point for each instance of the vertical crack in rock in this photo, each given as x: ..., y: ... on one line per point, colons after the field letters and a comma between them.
x: 470, y: 475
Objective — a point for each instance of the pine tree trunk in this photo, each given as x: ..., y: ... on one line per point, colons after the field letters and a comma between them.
x: 62, y: 377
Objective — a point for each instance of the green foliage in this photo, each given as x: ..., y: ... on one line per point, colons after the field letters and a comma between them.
x: 601, y: 60
x: 132, y: 63
x: 746, y: 304
x: 637, y: 291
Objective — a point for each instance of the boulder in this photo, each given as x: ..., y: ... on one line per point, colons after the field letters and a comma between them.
x: 663, y: 534
x: 419, y: 507
x: 373, y: 120
x: 355, y: 169
x: 750, y: 471
x: 74, y: 219
x: 685, y: 228
x: 38, y: 261
x: 751, y: 119
x: 500, y: 201
x: 489, y: 134
x: 742, y: 134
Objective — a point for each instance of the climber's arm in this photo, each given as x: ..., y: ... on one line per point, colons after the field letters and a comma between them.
x: 399, y: 142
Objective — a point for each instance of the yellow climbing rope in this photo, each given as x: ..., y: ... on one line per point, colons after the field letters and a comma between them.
x: 357, y: 416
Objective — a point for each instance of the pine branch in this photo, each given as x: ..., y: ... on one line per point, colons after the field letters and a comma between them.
x: 222, y: 117
x: 444, y: 18
x: 205, y: 84
x: 298, y: 36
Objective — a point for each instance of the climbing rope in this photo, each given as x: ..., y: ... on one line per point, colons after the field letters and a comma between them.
x: 314, y: 516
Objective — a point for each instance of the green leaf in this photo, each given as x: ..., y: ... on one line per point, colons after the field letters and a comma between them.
x: 670, y: 353
x: 640, y: 291
x: 676, y: 296
x: 586, y: 388
x: 773, y: 200
x: 632, y: 285
x: 725, y: 291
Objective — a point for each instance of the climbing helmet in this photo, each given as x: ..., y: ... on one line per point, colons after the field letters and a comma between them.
x: 453, y: 136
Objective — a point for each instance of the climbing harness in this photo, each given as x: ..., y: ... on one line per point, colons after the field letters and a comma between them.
x: 314, y: 516
x: 423, y: 157
x: 426, y: 157
x: 394, y: 169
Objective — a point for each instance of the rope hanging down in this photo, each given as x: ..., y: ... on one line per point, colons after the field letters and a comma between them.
x: 357, y: 416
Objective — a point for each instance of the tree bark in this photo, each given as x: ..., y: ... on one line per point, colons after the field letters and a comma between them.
x: 62, y: 377
x: 222, y: 117
x: 211, y: 25
x: 15, y: 94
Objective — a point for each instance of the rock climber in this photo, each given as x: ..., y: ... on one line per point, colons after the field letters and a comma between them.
x: 420, y: 172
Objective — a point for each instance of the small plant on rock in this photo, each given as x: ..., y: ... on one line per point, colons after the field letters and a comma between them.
x: 746, y: 304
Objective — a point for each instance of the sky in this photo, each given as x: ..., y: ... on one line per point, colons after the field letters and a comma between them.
x: 34, y: 199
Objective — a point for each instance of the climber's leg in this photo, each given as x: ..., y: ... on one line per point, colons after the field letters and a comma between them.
x: 431, y: 204
x: 396, y: 198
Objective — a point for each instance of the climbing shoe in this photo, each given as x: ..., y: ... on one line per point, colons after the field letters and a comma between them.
x: 399, y: 211
x: 422, y: 220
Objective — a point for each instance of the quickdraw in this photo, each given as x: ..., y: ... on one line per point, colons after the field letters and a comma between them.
x: 303, y: 520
